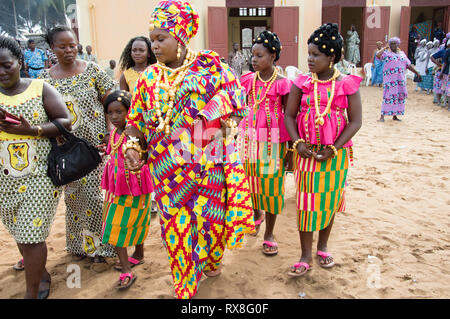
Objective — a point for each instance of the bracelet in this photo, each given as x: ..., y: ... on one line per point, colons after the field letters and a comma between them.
x: 294, y: 147
x: 334, y: 150
x: 132, y: 145
x: 40, y: 131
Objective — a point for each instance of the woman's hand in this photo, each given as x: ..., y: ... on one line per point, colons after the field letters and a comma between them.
x: 133, y: 160
x: 303, y: 150
x: 24, y: 128
x: 102, y: 148
x: 323, y: 155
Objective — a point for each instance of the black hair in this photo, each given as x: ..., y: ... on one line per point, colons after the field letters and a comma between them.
x: 126, y: 61
x: 12, y: 46
x: 271, y: 42
x: 124, y: 97
x: 51, y: 33
x: 328, y: 40
x: 30, y: 41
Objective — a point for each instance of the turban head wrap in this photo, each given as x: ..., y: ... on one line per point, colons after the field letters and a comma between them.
x: 176, y: 17
x: 394, y: 40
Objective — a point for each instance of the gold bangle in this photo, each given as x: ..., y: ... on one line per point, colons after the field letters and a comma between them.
x: 133, y: 145
x: 334, y: 150
x: 294, y: 146
x: 40, y: 131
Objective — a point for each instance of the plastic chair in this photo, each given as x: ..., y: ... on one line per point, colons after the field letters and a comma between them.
x: 368, y: 72
x: 352, y: 69
x: 292, y: 72
x: 410, y: 74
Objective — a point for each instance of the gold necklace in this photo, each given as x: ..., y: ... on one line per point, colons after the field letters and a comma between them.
x: 270, y: 81
x: 315, y: 79
x: 170, y: 89
x: 115, y: 146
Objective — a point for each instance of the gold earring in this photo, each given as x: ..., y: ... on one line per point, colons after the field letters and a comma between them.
x: 179, y: 51
x: 331, y: 64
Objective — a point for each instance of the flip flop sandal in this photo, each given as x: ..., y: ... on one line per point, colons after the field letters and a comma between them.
x: 133, y: 263
x: 258, y: 223
x: 122, y: 278
x: 323, y: 256
x: 213, y: 273
x: 270, y: 244
x: 297, y: 266
x: 19, y: 266
x: 43, y: 294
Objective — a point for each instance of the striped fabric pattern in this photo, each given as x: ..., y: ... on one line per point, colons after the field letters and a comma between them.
x: 126, y: 219
x: 320, y: 190
x: 266, y: 177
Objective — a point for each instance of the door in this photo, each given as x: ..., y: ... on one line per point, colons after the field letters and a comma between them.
x: 405, y: 20
x: 283, y: 17
x: 376, y: 28
x: 218, y: 30
x: 332, y: 14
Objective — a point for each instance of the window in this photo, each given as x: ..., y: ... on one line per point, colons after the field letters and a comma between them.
x: 242, y: 12
x: 262, y: 12
x: 252, y: 12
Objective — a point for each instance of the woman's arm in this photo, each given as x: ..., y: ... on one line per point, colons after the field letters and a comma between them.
x: 56, y: 111
x: 123, y: 83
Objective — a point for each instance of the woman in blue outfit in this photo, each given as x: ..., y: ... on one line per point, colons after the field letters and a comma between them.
x: 377, y: 68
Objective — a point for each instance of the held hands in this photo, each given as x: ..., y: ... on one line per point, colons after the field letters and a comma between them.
x: 133, y: 160
x: 321, y: 156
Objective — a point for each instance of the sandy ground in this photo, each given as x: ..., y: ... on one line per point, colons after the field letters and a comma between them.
x: 397, y: 212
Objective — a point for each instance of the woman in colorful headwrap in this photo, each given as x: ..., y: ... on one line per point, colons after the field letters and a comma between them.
x: 323, y: 113
x: 394, y: 80
x: 204, y: 202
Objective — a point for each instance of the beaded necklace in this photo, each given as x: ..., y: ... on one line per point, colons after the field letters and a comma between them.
x: 256, y: 102
x: 115, y: 146
x: 170, y: 90
x: 315, y: 79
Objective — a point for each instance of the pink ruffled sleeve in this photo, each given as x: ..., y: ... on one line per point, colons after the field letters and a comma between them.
x: 302, y: 82
x: 283, y: 86
x: 246, y: 81
x: 351, y: 84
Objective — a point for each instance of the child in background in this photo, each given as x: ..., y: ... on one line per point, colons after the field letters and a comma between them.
x: 126, y: 213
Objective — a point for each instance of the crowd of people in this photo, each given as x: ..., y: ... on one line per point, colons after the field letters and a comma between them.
x: 186, y: 133
x: 430, y: 67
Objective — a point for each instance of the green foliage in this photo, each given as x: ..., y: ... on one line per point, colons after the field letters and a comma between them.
x: 22, y: 17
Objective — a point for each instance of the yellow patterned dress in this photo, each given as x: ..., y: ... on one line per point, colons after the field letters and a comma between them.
x: 28, y: 198
x: 204, y: 202
x: 83, y: 198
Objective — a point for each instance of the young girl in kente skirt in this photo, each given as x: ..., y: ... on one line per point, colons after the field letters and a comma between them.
x: 323, y: 113
x: 126, y: 213
x: 264, y: 144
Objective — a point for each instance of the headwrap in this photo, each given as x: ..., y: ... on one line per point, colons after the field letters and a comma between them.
x: 423, y: 42
x: 394, y: 40
x: 176, y: 17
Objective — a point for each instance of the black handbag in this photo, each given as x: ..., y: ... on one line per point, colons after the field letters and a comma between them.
x: 72, y: 160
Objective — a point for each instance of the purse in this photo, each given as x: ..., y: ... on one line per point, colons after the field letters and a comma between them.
x: 72, y: 160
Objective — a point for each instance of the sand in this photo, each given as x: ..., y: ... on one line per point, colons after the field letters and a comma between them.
x: 393, y: 241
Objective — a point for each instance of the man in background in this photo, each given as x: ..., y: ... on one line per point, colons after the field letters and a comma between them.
x: 35, y: 59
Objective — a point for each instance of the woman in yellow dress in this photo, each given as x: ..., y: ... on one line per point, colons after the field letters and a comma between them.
x: 28, y: 198
x: 135, y: 58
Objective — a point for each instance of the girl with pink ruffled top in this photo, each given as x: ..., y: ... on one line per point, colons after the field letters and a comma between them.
x: 263, y: 135
x: 126, y: 213
x: 323, y: 113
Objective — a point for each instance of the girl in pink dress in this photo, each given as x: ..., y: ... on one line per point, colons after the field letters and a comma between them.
x: 264, y: 143
x: 323, y: 113
x: 126, y: 213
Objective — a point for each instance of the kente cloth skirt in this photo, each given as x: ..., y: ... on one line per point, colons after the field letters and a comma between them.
x: 126, y: 219
x: 265, y: 169
x: 320, y: 189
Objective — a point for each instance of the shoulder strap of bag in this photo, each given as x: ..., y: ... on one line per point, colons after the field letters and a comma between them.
x: 67, y: 135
